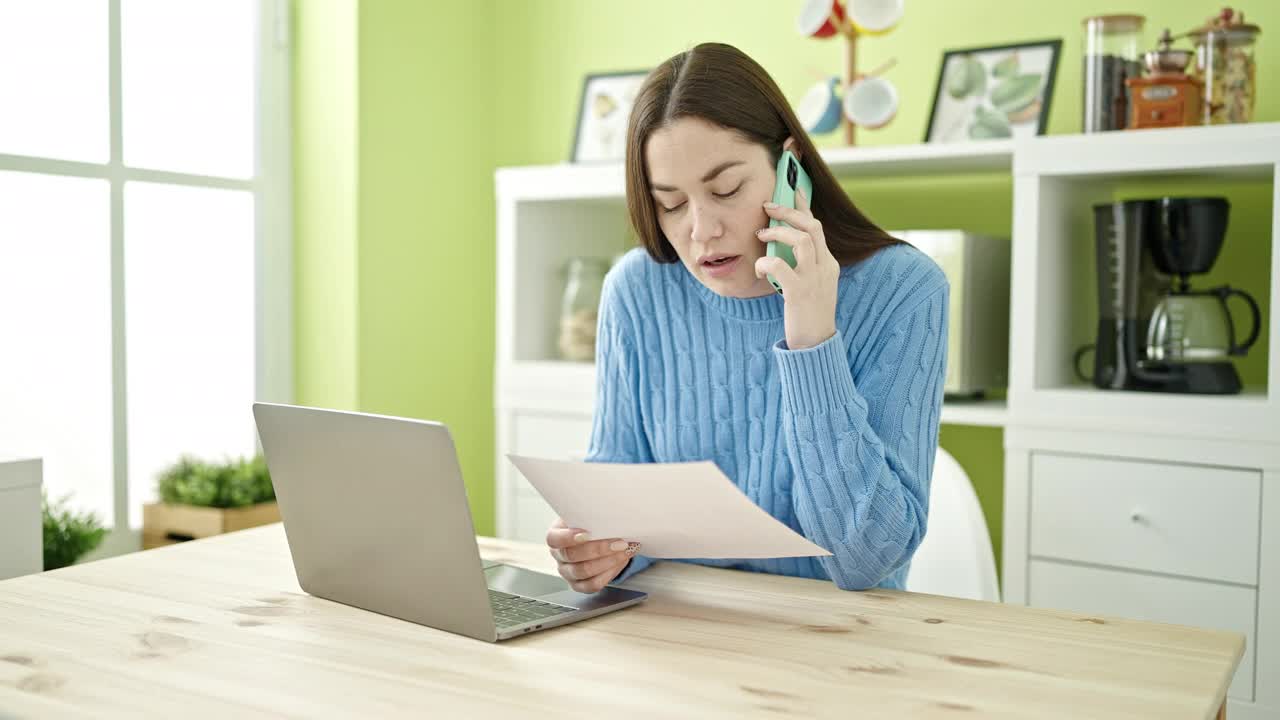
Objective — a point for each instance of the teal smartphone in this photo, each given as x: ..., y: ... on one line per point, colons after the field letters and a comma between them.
x: 791, y: 177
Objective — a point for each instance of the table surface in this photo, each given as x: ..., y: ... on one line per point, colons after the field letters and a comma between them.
x: 220, y: 627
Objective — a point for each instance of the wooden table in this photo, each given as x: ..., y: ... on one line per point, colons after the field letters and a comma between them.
x: 219, y: 627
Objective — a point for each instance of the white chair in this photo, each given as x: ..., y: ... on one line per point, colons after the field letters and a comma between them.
x: 955, y: 558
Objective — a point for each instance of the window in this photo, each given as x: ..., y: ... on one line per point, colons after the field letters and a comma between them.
x: 144, y: 237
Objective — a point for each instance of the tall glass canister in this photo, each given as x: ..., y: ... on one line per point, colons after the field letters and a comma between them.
x: 1225, y: 64
x: 1112, y: 45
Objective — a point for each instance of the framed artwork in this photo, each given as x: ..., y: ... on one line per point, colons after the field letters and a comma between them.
x: 603, y: 111
x: 993, y: 92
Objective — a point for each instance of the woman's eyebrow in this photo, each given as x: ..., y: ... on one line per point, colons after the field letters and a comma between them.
x: 711, y: 175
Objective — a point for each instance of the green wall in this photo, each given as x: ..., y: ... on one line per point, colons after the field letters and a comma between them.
x: 395, y: 215
x: 394, y: 210
x: 324, y: 190
x: 426, y: 224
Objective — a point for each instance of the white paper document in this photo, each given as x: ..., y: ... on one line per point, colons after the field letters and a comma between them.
x: 674, y: 510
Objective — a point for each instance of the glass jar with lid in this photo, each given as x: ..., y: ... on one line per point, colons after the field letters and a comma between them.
x: 1225, y: 64
x: 1112, y: 45
x: 579, y: 308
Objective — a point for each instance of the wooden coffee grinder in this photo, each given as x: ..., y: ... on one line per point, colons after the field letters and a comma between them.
x: 1165, y: 96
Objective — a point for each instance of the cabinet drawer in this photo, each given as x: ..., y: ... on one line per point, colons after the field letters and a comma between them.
x: 1178, y: 519
x: 1099, y: 591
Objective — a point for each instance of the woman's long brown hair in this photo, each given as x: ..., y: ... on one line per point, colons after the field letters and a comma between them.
x: 722, y: 85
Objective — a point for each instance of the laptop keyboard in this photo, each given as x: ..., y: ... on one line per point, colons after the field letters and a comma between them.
x: 511, y: 610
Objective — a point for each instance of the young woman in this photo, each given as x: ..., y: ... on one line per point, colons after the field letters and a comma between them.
x: 821, y: 403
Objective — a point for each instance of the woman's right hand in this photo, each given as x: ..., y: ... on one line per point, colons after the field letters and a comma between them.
x: 588, y: 565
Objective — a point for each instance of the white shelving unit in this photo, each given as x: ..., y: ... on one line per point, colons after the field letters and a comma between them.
x: 547, y: 214
x: 906, y: 160
x: 1056, y: 180
x: 604, y: 181
x: 1154, y: 506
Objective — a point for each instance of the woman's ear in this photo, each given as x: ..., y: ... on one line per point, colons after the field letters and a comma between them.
x: 790, y: 144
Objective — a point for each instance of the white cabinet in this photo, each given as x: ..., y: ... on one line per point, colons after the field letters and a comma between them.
x: 21, y: 534
x: 1190, y: 520
x: 1151, y: 528
x: 1053, y: 313
x: 1151, y: 506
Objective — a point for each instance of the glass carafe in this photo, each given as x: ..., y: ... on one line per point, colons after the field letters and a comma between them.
x: 579, y: 308
x: 1197, y: 327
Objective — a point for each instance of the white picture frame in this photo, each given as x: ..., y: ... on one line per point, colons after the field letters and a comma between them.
x: 604, y: 109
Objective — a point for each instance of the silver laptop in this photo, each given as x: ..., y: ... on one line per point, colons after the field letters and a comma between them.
x: 376, y: 516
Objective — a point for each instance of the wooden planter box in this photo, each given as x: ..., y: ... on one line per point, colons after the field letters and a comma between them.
x: 167, y: 524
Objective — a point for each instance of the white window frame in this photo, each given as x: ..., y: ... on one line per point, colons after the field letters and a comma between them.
x: 273, y: 234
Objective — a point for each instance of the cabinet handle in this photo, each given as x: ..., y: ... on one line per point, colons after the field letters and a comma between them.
x: 1137, y: 517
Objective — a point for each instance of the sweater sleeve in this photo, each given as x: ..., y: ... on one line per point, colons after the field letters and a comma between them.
x: 862, y: 452
x: 617, y: 433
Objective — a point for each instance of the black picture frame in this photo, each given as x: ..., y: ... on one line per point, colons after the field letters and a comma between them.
x: 590, y: 144
x: 941, y: 109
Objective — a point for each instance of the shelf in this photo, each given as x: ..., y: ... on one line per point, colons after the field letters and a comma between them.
x: 1239, y: 417
x: 1057, y: 181
x: 548, y: 386
x: 561, y: 182
x: 604, y: 181
x: 983, y: 413
x: 547, y: 214
x: 1152, y: 401
x: 1241, y: 151
x: 1250, y: 151
x: 927, y: 159
x: 569, y: 388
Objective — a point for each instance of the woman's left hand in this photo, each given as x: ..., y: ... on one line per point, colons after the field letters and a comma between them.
x: 808, y: 289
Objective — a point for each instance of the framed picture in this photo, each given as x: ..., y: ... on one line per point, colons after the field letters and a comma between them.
x: 993, y: 92
x: 605, y: 107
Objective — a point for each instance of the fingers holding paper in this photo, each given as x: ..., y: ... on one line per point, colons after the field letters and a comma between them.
x: 587, y: 565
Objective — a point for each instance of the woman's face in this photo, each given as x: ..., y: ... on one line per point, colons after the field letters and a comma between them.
x: 710, y: 186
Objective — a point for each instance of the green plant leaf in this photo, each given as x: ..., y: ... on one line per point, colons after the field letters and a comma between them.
x: 966, y: 78
x: 1015, y: 93
x: 989, y: 124
x: 67, y: 535
x: 234, y: 483
x: 1006, y: 67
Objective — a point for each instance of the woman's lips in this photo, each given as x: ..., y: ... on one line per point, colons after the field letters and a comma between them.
x: 722, y: 269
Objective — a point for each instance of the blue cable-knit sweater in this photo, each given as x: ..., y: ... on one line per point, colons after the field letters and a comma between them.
x: 836, y: 441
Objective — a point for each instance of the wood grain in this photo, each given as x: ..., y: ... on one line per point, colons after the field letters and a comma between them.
x: 219, y: 627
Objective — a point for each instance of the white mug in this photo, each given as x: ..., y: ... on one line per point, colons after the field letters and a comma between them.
x: 871, y: 102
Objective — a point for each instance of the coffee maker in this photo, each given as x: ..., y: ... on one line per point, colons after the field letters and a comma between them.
x: 1154, y: 332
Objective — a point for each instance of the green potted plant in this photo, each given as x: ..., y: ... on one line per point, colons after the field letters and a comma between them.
x: 68, y: 535
x: 199, y: 499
